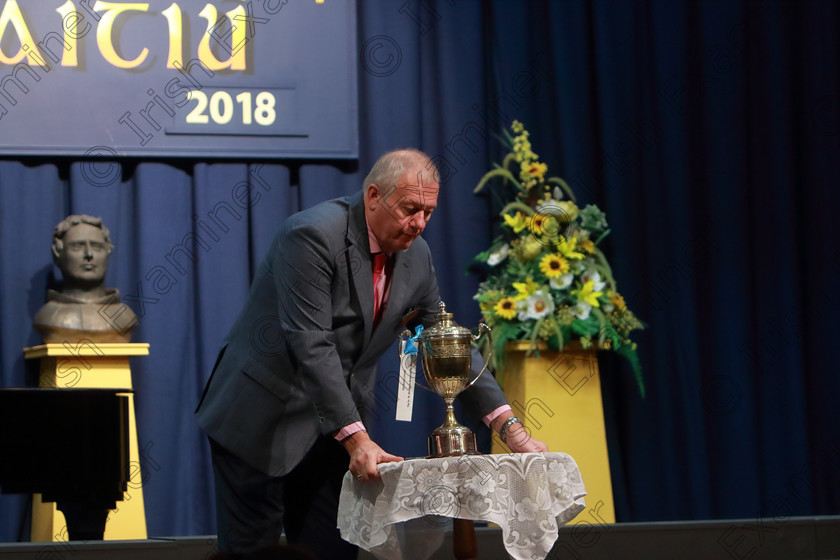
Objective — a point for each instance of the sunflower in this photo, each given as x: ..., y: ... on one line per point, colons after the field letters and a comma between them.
x: 532, y: 170
x: 506, y: 308
x: 538, y: 221
x: 554, y: 266
x: 544, y: 226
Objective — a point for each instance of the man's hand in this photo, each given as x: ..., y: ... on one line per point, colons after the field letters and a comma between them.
x: 365, y: 455
x: 517, y: 438
x: 520, y: 441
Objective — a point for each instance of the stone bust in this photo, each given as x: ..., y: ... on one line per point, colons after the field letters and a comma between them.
x: 84, y: 308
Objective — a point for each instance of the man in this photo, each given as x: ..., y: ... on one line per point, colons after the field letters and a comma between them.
x: 278, y: 415
x: 84, y: 309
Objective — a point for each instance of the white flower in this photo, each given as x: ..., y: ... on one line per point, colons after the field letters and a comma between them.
x: 558, y: 193
x: 561, y: 283
x: 498, y: 255
x: 537, y: 305
x: 549, y: 207
x: 596, y: 278
x: 557, y: 473
x: 522, y: 310
x: 427, y: 479
x: 576, y: 267
x: 526, y: 510
x: 483, y: 483
x: 581, y: 310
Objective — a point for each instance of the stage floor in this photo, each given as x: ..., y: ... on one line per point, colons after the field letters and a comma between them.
x: 795, y: 538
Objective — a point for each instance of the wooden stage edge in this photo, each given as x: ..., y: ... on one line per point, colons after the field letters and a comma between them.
x: 780, y: 538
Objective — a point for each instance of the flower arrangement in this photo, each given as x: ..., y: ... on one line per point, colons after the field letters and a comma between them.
x: 547, y: 280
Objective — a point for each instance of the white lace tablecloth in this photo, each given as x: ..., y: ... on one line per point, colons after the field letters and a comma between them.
x: 529, y: 495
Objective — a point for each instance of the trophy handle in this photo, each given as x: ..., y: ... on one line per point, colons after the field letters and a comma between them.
x: 404, y: 335
x: 482, y: 329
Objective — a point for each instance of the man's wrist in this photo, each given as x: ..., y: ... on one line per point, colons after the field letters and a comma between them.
x: 497, y: 422
x: 349, y: 430
x: 354, y: 440
x: 503, y: 430
x: 488, y: 420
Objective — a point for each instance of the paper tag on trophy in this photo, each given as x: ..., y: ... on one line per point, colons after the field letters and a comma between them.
x: 405, y: 391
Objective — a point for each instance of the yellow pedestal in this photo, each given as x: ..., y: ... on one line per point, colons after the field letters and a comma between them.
x: 93, y: 365
x: 558, y: 397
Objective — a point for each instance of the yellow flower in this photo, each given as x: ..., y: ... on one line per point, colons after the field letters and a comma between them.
x: 566, y: 247
x: 506, y: 308
x: 518, y: 221
x: 588, y: 294
x: 554, y: 266
x: 544, y: 225
x: 532, y: 170
x: 517, y: 127
x: 530, y: 248
x: 618, y: 301
x: 522, y: 148
x: 521, y: 144
x: 487, y: 300
x: 569, y: 211
x: 588, y: 246
x: 525, y: 289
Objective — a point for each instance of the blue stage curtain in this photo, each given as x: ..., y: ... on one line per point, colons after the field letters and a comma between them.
x: 708, y: 132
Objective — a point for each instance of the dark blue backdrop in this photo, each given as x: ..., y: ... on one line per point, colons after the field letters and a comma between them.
x: 707, y: 131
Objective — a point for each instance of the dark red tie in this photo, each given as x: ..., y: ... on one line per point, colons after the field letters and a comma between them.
x: 379, y: 261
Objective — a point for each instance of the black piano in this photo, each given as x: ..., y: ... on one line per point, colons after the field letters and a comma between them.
x: 70, y: 445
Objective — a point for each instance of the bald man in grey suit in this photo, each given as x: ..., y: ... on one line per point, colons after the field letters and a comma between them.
x: 286, y: 403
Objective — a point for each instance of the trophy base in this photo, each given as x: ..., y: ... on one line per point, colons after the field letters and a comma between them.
x: 452, y: 444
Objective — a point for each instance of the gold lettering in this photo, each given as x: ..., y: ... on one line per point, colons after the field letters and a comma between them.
x: 70, y: 24
x: 104, y: 37
x: 176, y: 48
x: 11, y: 14
x: 236, y: 60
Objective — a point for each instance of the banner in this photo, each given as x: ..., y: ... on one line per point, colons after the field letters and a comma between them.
x: 239, y: 79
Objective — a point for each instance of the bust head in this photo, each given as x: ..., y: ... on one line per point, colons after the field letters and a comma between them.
x: 84, y: 309
x: 81, y: 246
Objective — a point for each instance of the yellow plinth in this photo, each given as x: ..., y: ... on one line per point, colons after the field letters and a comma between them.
x: 93, y: 365
x: 558, y: 396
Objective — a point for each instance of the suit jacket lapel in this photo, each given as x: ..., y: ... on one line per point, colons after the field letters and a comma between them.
x: 359, y: 259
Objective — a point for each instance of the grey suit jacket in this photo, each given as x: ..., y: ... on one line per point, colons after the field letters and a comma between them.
x: 301, y: 358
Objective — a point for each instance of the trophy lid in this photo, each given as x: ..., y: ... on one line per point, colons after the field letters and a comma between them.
x: 445, y: 327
